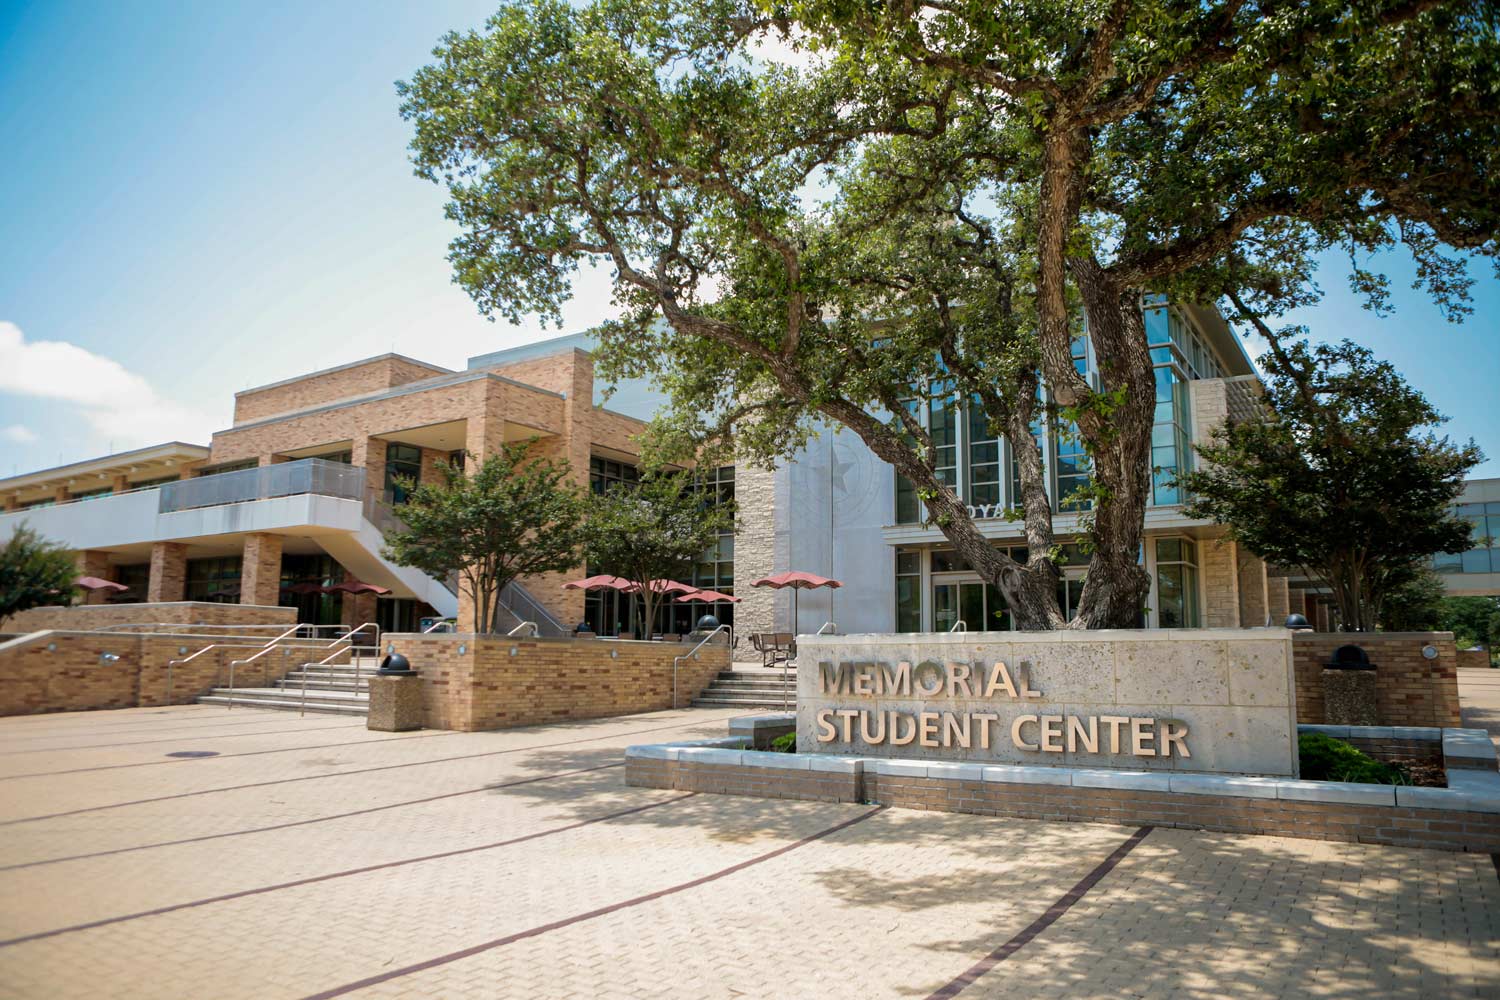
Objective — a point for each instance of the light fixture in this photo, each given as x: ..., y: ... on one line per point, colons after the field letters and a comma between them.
x: 463, y: 648
x: 1429, y: 652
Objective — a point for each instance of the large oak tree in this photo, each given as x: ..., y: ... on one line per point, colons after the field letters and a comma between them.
x: 944, y: 198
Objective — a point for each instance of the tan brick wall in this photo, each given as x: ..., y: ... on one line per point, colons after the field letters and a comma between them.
x: 1412, y: 690
x: 168, y: 579
x: 1278, y: 599
x: 548, y: 679
x: 1470, y: 658
x: 1221, y: 599
x: 86, y: 617
x: 1253, y: 590
x: 71, y: 676
x: 1393, y: 825
x: 260, y: 573
x: 314, y: 390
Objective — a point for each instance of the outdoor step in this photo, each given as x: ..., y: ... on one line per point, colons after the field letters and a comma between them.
x: 736, y: 703
x: 322, y: 685
x: 346, y: 703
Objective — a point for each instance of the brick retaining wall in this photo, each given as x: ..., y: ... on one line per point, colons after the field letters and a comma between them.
x: 83, y: 617
x: 1412, y: 690
x: 72, y: 677
x: 485, y: 687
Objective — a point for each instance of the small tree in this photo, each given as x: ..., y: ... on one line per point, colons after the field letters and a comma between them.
x: 33, y: 572
x: 1417, y: 605
x: 1337, y: 478
x: 655, y: 530
x: 516, y: 516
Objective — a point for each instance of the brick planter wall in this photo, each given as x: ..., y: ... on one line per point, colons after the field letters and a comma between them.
x: 72, y: 677
x: 1412, y: 690
x: 485, y: 687
x: 83, y: 617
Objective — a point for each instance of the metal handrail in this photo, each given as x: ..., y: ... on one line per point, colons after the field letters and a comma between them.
x: 347, y: 637
x: 534, y: 608
x: 205, y: 625
x: 440, y: 625
x: 536, y: 632
x: 827, y: 625
x: 703, y: 642
x: 219, y: 645
x: 960, y: 626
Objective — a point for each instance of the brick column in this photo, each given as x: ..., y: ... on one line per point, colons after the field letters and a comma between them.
x: 1221, y: 601
x: 10, y: 503
x: 1321, y: 621
x: 484, y: 430
x: 357, y: 609
x: 168, y: 580
x: 430, y: 475
x: 121, y: 483
x: 93, y: 563
x: 260, y: 573
x: 61, y: 495
x: 1254, y: 593
x: 369, y: 454
x: 1278, y: 599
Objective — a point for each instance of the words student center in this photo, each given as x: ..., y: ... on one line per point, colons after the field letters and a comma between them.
x: 1142, y: 736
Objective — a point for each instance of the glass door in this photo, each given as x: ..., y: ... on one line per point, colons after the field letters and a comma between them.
x: 977, y: 604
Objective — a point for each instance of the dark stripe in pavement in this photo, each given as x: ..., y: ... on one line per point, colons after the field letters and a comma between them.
x: 500, y: 942
x: 1047, y: 919
x: 159, y: 911
x: 178, y: 739
x: 306, y: 822
x: 226, y: 756
x: 91, y: 730
x: 366, y: 770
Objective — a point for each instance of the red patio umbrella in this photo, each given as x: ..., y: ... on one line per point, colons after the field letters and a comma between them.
x: 357, y: 587
x: 797, y: 580
x: 664, y: 587
x: 602, y: 581
x: 707, y: 597
x: 95, y: 583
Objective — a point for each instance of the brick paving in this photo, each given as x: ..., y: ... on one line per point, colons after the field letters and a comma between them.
x: 314, y: 858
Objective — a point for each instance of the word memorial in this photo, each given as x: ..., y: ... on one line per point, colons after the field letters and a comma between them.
x: 1036, y: 732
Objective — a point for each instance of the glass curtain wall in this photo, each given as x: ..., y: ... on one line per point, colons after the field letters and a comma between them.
x: 1484, y: 535
x: 1176, y: 583
x: 402, y: 461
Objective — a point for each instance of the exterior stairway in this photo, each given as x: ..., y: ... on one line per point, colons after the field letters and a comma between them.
x: 334, y: 688
x: 751, y: 686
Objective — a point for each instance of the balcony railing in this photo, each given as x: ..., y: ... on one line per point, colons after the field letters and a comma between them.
x: 309, y: 475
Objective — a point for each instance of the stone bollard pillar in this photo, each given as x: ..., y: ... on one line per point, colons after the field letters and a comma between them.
x: 395, y: 697
x: 1349, y: 698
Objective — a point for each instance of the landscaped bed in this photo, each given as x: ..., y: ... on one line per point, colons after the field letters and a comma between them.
x: 1324, y: 758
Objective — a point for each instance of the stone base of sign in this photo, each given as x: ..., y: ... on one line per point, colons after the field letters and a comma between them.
x: 1463, y: 817
x: 1350, y: 698
x: 760, y: 731
x: 395, y: 704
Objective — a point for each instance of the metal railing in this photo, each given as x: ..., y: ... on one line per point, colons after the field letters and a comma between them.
x: 348, y: 640
x: 828, y: 628
x: 440, y: 626
x: 172, y: 664
x: 536, y: 633
x: 694, y: 652
x: 519, y: 602
x: 960, y: 626
x: 309, y: 475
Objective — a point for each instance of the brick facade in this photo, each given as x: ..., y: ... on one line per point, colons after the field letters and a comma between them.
x: 89, y: 617
x: 260, y: 573
x: 1412, y: 690
x: 83, y: 671
x: 485, y: 687
x: 168, y: 581
x: 755, y: 555
x: 344, y: 382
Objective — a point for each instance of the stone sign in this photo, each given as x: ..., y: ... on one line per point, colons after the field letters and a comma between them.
x: 1213, y: 700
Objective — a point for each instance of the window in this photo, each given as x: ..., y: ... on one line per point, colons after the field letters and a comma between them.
x: 402, y: 461
x: 34, y: 504
x: 1176, y: 583
x: 908, y: 590
x: 136, y: 577
x: 984, y: 459
x: 214, y: 470
x: 942, y: 425
x: 1484, y: 537
x: 1074, y: 467
x: 213, y: 580
x: 94, y: 494
x: 345, y: 457
x: 146, y: 484
x: 605, y: 473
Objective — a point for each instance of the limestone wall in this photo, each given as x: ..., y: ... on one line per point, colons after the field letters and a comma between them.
x: 1225, y: 695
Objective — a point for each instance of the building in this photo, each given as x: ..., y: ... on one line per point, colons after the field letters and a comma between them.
x: 293, y: 497
x: 1475, y: 573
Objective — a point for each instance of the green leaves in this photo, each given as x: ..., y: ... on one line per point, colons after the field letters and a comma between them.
x: 518, y: 515
x: 33, y: 572
x: 1342, y: 478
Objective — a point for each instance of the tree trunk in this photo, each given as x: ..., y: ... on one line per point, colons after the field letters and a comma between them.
x: 1119, y: 436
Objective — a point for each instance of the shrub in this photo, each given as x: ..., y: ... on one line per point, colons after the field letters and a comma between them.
x: 1327, y: 759
x: 785, y: 744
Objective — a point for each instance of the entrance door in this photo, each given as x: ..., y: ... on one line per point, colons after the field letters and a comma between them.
x: 978, y: 605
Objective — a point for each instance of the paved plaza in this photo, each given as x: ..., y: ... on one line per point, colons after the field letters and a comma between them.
x: 310, y: 858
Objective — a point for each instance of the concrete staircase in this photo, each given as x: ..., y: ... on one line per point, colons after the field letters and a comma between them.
x: 334, y: 688
x: 746, y: 685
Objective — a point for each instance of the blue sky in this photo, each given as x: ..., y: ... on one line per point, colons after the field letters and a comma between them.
x: 200, y: 197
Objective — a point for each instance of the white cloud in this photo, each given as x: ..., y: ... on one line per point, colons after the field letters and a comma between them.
x: 119, y: 405
x: 792, y: 49
x: 16, y: 434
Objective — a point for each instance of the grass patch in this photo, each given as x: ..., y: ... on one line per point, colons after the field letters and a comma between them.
x: 1327, y: 759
